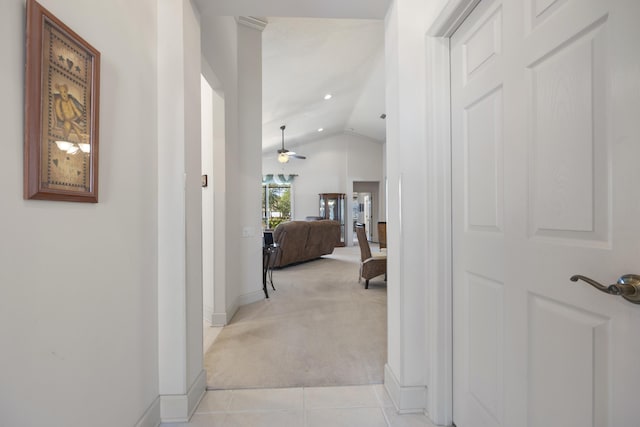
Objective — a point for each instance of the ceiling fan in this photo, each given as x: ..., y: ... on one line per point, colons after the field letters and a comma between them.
x: 284, y: 154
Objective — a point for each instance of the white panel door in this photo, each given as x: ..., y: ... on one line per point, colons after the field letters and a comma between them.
x: 545, y: 142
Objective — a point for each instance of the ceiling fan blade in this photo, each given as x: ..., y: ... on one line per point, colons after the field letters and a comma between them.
x: 296, y: 156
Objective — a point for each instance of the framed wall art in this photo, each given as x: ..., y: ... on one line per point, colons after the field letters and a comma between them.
x: 62, y: 85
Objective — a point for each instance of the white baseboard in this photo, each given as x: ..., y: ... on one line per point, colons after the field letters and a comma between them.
x: 197, y: 391
x: 151, y: 417
x: 250, y: 297
x: 222, y: 319
x: 179, y: 408
x: 407, y: 399
x: 207, y: 313
x: 216, y: 319
x: 219, y: 319
x: 231, y: 310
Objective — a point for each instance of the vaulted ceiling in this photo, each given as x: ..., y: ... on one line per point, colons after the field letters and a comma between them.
x: 305, y: 59
x: 310, y: 49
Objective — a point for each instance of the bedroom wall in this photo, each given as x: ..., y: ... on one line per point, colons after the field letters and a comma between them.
x: 333, y: 163
x: 78, y: 281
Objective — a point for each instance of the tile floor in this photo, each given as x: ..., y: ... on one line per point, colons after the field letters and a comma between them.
x: 354, y: 406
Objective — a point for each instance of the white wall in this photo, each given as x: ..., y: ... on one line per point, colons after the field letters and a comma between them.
x: 416, y: 375
x: 233, y: 52
x: 193, y: 193
x: 332, y: 164
x: 407, y: 374
x: 213, y: 201
x: 220, y: 49
x: 78, y: 297
x: 245, y: 222
x: 208, y: 239
x: 181, y: 375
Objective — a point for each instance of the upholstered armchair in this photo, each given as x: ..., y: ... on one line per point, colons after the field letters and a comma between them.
x: 370, y: 266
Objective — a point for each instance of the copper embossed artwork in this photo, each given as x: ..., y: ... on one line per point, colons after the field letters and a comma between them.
x: 66, y: 68
x: 61, y: 135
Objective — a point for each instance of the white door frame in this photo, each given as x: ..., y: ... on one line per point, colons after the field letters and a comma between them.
x: 439, y: 264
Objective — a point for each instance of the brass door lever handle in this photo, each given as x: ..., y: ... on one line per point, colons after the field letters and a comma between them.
x: 627, y: 286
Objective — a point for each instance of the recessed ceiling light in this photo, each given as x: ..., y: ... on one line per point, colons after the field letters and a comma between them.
x: 328, y: 96
x: 320, y: 129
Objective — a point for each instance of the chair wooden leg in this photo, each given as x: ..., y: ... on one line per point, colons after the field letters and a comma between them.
x: 366, y: 284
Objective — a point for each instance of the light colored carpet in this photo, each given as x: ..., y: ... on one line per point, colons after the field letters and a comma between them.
x: 319, y: 328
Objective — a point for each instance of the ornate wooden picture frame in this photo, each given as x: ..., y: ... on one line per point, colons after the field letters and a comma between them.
x: 62, y: 85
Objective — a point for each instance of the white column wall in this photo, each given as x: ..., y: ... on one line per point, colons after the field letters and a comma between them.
x: 171, y: 200
x: 394, y: 338
x: 406, y: 373
x: 245, y: 222
x: 182, y: 379
x: 193, y: 168
x: 417, y: 106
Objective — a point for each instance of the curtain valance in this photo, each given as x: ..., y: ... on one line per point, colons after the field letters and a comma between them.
x: 278, y: 179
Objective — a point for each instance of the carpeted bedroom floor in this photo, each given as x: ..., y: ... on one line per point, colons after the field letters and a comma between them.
x: 319, y: 328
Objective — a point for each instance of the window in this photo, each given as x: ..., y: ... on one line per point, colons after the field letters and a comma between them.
x: 276, y: 204
x: 276, y: 200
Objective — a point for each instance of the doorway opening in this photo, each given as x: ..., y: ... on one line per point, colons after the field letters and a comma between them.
x: 365, y: 208
x: 213, y: 233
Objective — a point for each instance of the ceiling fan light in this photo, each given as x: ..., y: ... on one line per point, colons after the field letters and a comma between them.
x: 283, y: 158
